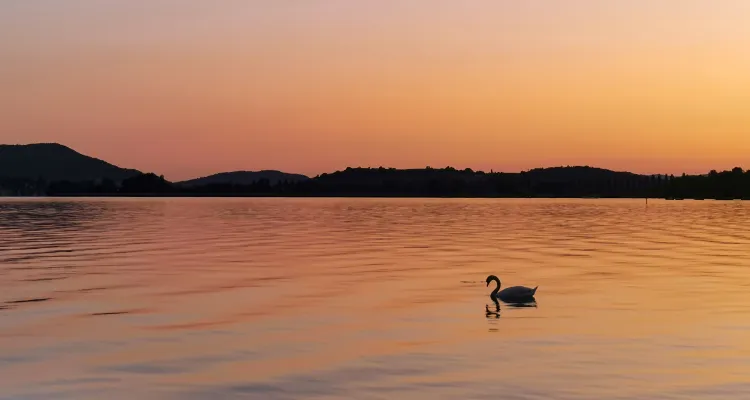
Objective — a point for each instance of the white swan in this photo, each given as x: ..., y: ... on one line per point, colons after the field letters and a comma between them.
x: 514, y: 294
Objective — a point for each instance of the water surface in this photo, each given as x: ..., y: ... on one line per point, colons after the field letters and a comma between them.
x: 373, y: 299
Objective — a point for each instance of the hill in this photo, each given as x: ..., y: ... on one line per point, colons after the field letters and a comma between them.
x: 55, y: 162
x: 53, y: 169
x: 450, y: 182
x: 569, y: 173
x: 244, y: 178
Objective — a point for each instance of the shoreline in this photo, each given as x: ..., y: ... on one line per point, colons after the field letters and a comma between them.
x: 365, y: 196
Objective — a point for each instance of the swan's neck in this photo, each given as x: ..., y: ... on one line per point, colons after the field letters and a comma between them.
x: 497, y: 288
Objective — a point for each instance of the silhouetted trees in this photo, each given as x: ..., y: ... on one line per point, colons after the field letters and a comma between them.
x: 428, y: 182
x: 141, y: 184
x: 146, y: 184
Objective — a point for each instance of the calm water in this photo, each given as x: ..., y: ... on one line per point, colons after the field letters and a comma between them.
x: 373, y: 299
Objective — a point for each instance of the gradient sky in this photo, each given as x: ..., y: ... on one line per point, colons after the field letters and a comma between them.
x: 192, y: 87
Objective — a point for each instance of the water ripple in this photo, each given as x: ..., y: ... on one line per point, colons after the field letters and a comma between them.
x: 372, y: 298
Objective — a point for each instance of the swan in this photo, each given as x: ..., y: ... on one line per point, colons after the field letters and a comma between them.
x: 514, y: 294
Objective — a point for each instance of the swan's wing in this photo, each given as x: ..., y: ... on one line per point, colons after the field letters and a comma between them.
x: 518, y: 291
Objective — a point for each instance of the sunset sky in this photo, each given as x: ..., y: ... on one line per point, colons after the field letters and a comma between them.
x: 187, y: 88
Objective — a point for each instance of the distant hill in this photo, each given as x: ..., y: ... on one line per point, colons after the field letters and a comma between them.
x: 56, y: 170
x: 55, y: 162
x: 363, y: 176
x: 244, y: 178
x: 576, y: 173
x: 579, y: 181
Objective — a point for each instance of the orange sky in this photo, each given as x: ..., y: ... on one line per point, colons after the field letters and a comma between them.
x: 190, y: 87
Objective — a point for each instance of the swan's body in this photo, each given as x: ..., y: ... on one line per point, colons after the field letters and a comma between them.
x: 513, y: 294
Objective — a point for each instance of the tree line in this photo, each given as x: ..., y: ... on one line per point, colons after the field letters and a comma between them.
x: 428, y: 182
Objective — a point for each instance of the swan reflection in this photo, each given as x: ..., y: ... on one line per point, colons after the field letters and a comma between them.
x: 492, y: 314
x: 522, y: 305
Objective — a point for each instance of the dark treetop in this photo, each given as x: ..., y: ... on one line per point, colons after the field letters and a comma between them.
x: 243, y: 178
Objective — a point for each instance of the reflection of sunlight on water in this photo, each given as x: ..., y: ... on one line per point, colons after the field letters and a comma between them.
x: 352, y: 298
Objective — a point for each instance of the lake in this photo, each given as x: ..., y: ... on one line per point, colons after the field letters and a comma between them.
x: 373, y: 299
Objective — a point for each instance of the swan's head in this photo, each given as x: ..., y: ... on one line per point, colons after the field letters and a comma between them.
x: 492, y: 278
